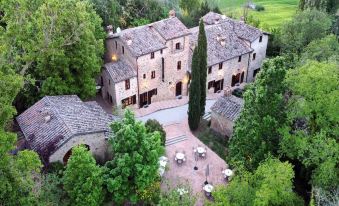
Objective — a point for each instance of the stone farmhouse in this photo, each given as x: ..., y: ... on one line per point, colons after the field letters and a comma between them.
x: 153, y: 62
x: 55, y: 124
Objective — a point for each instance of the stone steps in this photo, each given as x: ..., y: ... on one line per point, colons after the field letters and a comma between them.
x: 207, y: 116
x: 175, y: 140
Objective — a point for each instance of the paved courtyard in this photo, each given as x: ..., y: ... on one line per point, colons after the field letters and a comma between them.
x: 185, y: 172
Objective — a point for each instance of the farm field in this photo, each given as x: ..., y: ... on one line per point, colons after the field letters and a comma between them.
x: 276, y: 11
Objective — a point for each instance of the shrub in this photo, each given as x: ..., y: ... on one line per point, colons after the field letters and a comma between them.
x: 259, y: 8
x: 153, y: 125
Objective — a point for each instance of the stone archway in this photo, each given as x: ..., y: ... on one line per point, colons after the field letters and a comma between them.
x: 69, y: 154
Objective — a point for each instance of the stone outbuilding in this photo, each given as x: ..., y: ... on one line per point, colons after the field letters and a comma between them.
x: 56, y: 124
x: 224, y: 112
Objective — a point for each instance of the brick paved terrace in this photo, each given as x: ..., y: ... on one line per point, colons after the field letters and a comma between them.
x: 177, y: 174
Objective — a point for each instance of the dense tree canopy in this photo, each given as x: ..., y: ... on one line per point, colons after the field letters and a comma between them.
x: 270, y: 184
x: 124, y: 14
x: 329, y: 6
x: 256, y: 130
x: 312, y: 133
x: 83, y: 178
x: 10, y: 85
x: 305, y: 27
x: 17, y: 172
x: 134, y: 167
x: 152, y: 125
x: 57, y: 43
x: 325, y: 49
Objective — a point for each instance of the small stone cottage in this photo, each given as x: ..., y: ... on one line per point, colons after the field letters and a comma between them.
x: 56, y: 124
x: 224, y: 112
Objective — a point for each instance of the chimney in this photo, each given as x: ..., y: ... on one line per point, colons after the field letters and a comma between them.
x: 109, y: 30
x: 129, y: 41
x: 227, y: 91
x: 47, y: 118
x: 171, y: 14
x: 223, y: 42
x: 216, y: 20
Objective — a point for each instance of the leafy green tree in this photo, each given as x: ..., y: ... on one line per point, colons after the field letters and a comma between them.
x: 108, y: 10
x: 256, y: 130
x: 194, y: 110
x: 17, y: 173
x: 189, y: 5
x: 51, y: 192
x: 305, y: 27
x: 152, y: 125
x: 10, y: 84
x: 57, y: 43
x: 329, y: 6
x: 311, y: 133
x: 135, y: 165
x: 270, y: 184
x: 325, y: 49
x: 83, y: 179
x: 202, y: 55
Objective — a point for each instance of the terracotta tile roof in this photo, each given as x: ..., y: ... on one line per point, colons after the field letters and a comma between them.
x: 120, y: 71
x: 242, y: 30
x: 53, y: 120
x: 216, y: 51
x: 141, y: 40
x: 171, y: 28
x: 151, y: 37
x: 228, y: 107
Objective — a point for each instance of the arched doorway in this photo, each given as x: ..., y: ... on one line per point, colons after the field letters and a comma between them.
x: 69, y: 154
x: 178, y: 89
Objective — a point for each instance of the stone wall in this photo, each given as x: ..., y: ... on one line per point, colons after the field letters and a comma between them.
x: 260, y: 51
x: 96, y: 142
x: 165, y: 87
x: 221, y: 124
x: 108, y: 86
x: 121, y: 92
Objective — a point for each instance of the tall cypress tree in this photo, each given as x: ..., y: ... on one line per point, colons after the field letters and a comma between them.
x: 194, y: 93
x: 202, y: 55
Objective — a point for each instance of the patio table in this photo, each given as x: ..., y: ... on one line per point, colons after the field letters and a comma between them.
x: 180, y: 156
x: 227, y: 172
x: 208, y: 188
x: 201, y: 150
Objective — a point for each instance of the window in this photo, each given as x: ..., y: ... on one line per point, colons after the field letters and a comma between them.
x: 127, y: 84
x: 177, y: 46
x: 256, y: 72
x: 210, y: 84
x: 116, y: 45
x: 144, y: 76
x: 260, y: 39
x: 153, y: 74
x: 254, y: 55
x: 239, y: 59
x: 163, y: 69
x: 160, y: 51
x: 179, y: 65
x: 209, y: 70
x: 220, y: 65
x: 152, y: 55
x: 102, y: 81
x: 129, y: 100
x: 123, y: 49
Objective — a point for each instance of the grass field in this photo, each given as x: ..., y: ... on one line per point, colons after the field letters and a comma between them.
x: 276, y: 11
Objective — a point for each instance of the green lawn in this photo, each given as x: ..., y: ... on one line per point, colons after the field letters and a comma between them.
x: 276, y: 11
